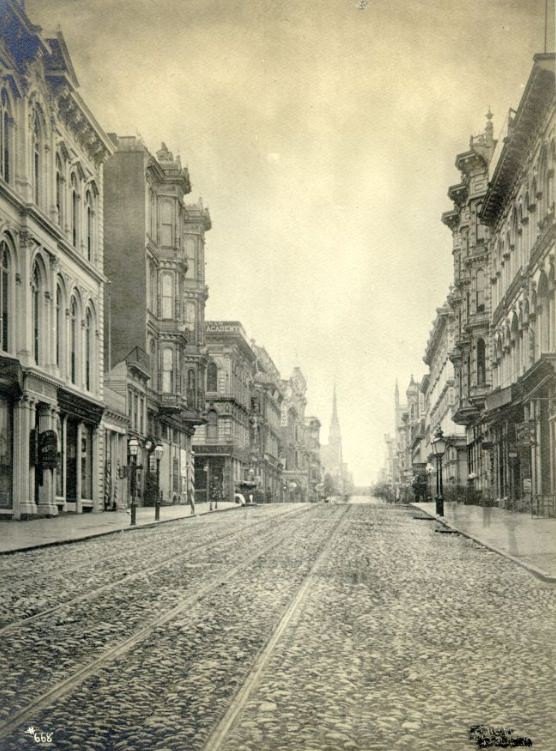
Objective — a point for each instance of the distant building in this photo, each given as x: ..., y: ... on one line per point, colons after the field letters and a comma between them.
x: 265, y: 425
x: 315, y: 471
x: 332, y: 458
x: 154, y: 340
x: 295, y: 454
x: 222, y: 445
x: 52, y: 278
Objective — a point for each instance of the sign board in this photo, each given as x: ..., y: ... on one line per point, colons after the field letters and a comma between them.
x: 48, y: 449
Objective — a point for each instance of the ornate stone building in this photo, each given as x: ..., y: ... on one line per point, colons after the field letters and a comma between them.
x: 52, y: 277
x: 470, y: 300
x: 518, y: 207
x: 156, y: 357
x: 266, y: 402
x: 440, y: 403
x: 315, y: 470
x: 222, y: 446
x: 295, y: 456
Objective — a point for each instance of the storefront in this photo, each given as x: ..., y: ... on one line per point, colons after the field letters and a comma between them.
x: 10, y: 390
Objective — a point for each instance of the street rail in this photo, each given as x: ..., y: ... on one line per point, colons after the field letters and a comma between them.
x: 82, y: 672
x: 144, y: 571
x: 230, y: 718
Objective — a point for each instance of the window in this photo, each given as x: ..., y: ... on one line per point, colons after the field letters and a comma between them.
x: 166, y: 223
x: 90, y: 224
x: 153, y: 287
x: 212, y: 425
x: 89, y: 350
x: 212, y: 377
x: 480, y: 291
x: 86, y: 462
x: 36, y: 311
x: 37, y: 145
x: 167, y: 370
x: 5, y: 137
x: 74, y: 211
x: 191, y: 388
x: 5, y: 293
x: 481, y: 362
x: 60, y: 191
x: 74, y: 340
x: 167, y: 295
x: 190, y: 315
x: 59, y: 325
x: 153, y: 364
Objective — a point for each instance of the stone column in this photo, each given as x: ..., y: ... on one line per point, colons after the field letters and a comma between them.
x: 23, y: 421
x: 47, y: 498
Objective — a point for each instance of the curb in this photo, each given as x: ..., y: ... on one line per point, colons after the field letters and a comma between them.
x: 148, y: 525
x: 527, y: 566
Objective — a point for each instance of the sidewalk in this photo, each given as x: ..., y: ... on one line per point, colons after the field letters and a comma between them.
x: 25, y: 535
x: 530, y: 542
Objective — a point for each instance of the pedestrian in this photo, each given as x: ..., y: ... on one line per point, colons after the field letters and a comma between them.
x: 191, y: 502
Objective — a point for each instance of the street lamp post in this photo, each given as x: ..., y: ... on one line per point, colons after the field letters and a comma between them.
x: 207, y: 470
x: 133, y: 446
x: 439, y: 449
x: 158, y: 451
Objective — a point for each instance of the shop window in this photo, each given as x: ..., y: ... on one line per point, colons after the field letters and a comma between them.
x: 5, y: 296
x: 6, y: 452
x: 59, y: 469
x: 86, y: 462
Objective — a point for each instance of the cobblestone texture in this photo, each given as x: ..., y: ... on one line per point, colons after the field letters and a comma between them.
x: 405, y: 639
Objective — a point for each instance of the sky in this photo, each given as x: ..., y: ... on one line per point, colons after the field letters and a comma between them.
x: 322, y: 136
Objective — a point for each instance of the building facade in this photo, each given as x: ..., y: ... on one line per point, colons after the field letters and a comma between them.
x: 222, y: 445
x: 295, y: 455
x: 52, y: 152
x: 440, y: 404
x: 155, y: 352
x: 470, y: 301
x: 518, y: 207
x: 264, y: 444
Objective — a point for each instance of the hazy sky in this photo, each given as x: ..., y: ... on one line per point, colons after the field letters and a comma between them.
x: 323, y: 138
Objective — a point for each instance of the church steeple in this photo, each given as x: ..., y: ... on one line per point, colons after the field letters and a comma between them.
x: 334, y: 434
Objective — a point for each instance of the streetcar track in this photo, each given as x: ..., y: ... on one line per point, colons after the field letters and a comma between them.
x: 143, y: 572
x: 109, y: 655
x: 237, y: 704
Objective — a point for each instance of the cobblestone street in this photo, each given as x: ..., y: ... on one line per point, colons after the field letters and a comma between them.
x: 282, y: 627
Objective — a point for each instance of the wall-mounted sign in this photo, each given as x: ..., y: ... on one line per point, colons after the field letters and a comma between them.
x: 48, y: 449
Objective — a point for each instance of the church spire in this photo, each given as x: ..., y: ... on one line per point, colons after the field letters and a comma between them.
x: 334, y: 421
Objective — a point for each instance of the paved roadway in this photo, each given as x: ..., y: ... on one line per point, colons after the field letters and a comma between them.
x: 277, y: 628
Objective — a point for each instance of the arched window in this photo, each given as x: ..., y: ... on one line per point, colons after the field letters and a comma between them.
x: 5, y: 137
x: 36, y: 311
x: 212, y: 377
x: 59, y: 326
x: 74, y: 340
x: 74, y: 211
x: 60, y: 190
x: 191, y: 388
x: 167, y: 370
x: 167, y: 295
x: 90, y: 224
x: 5, y: 296
x: 37, y: 156
x: 89, y: 350
x: 481, y: 362
x: 212, y: 425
